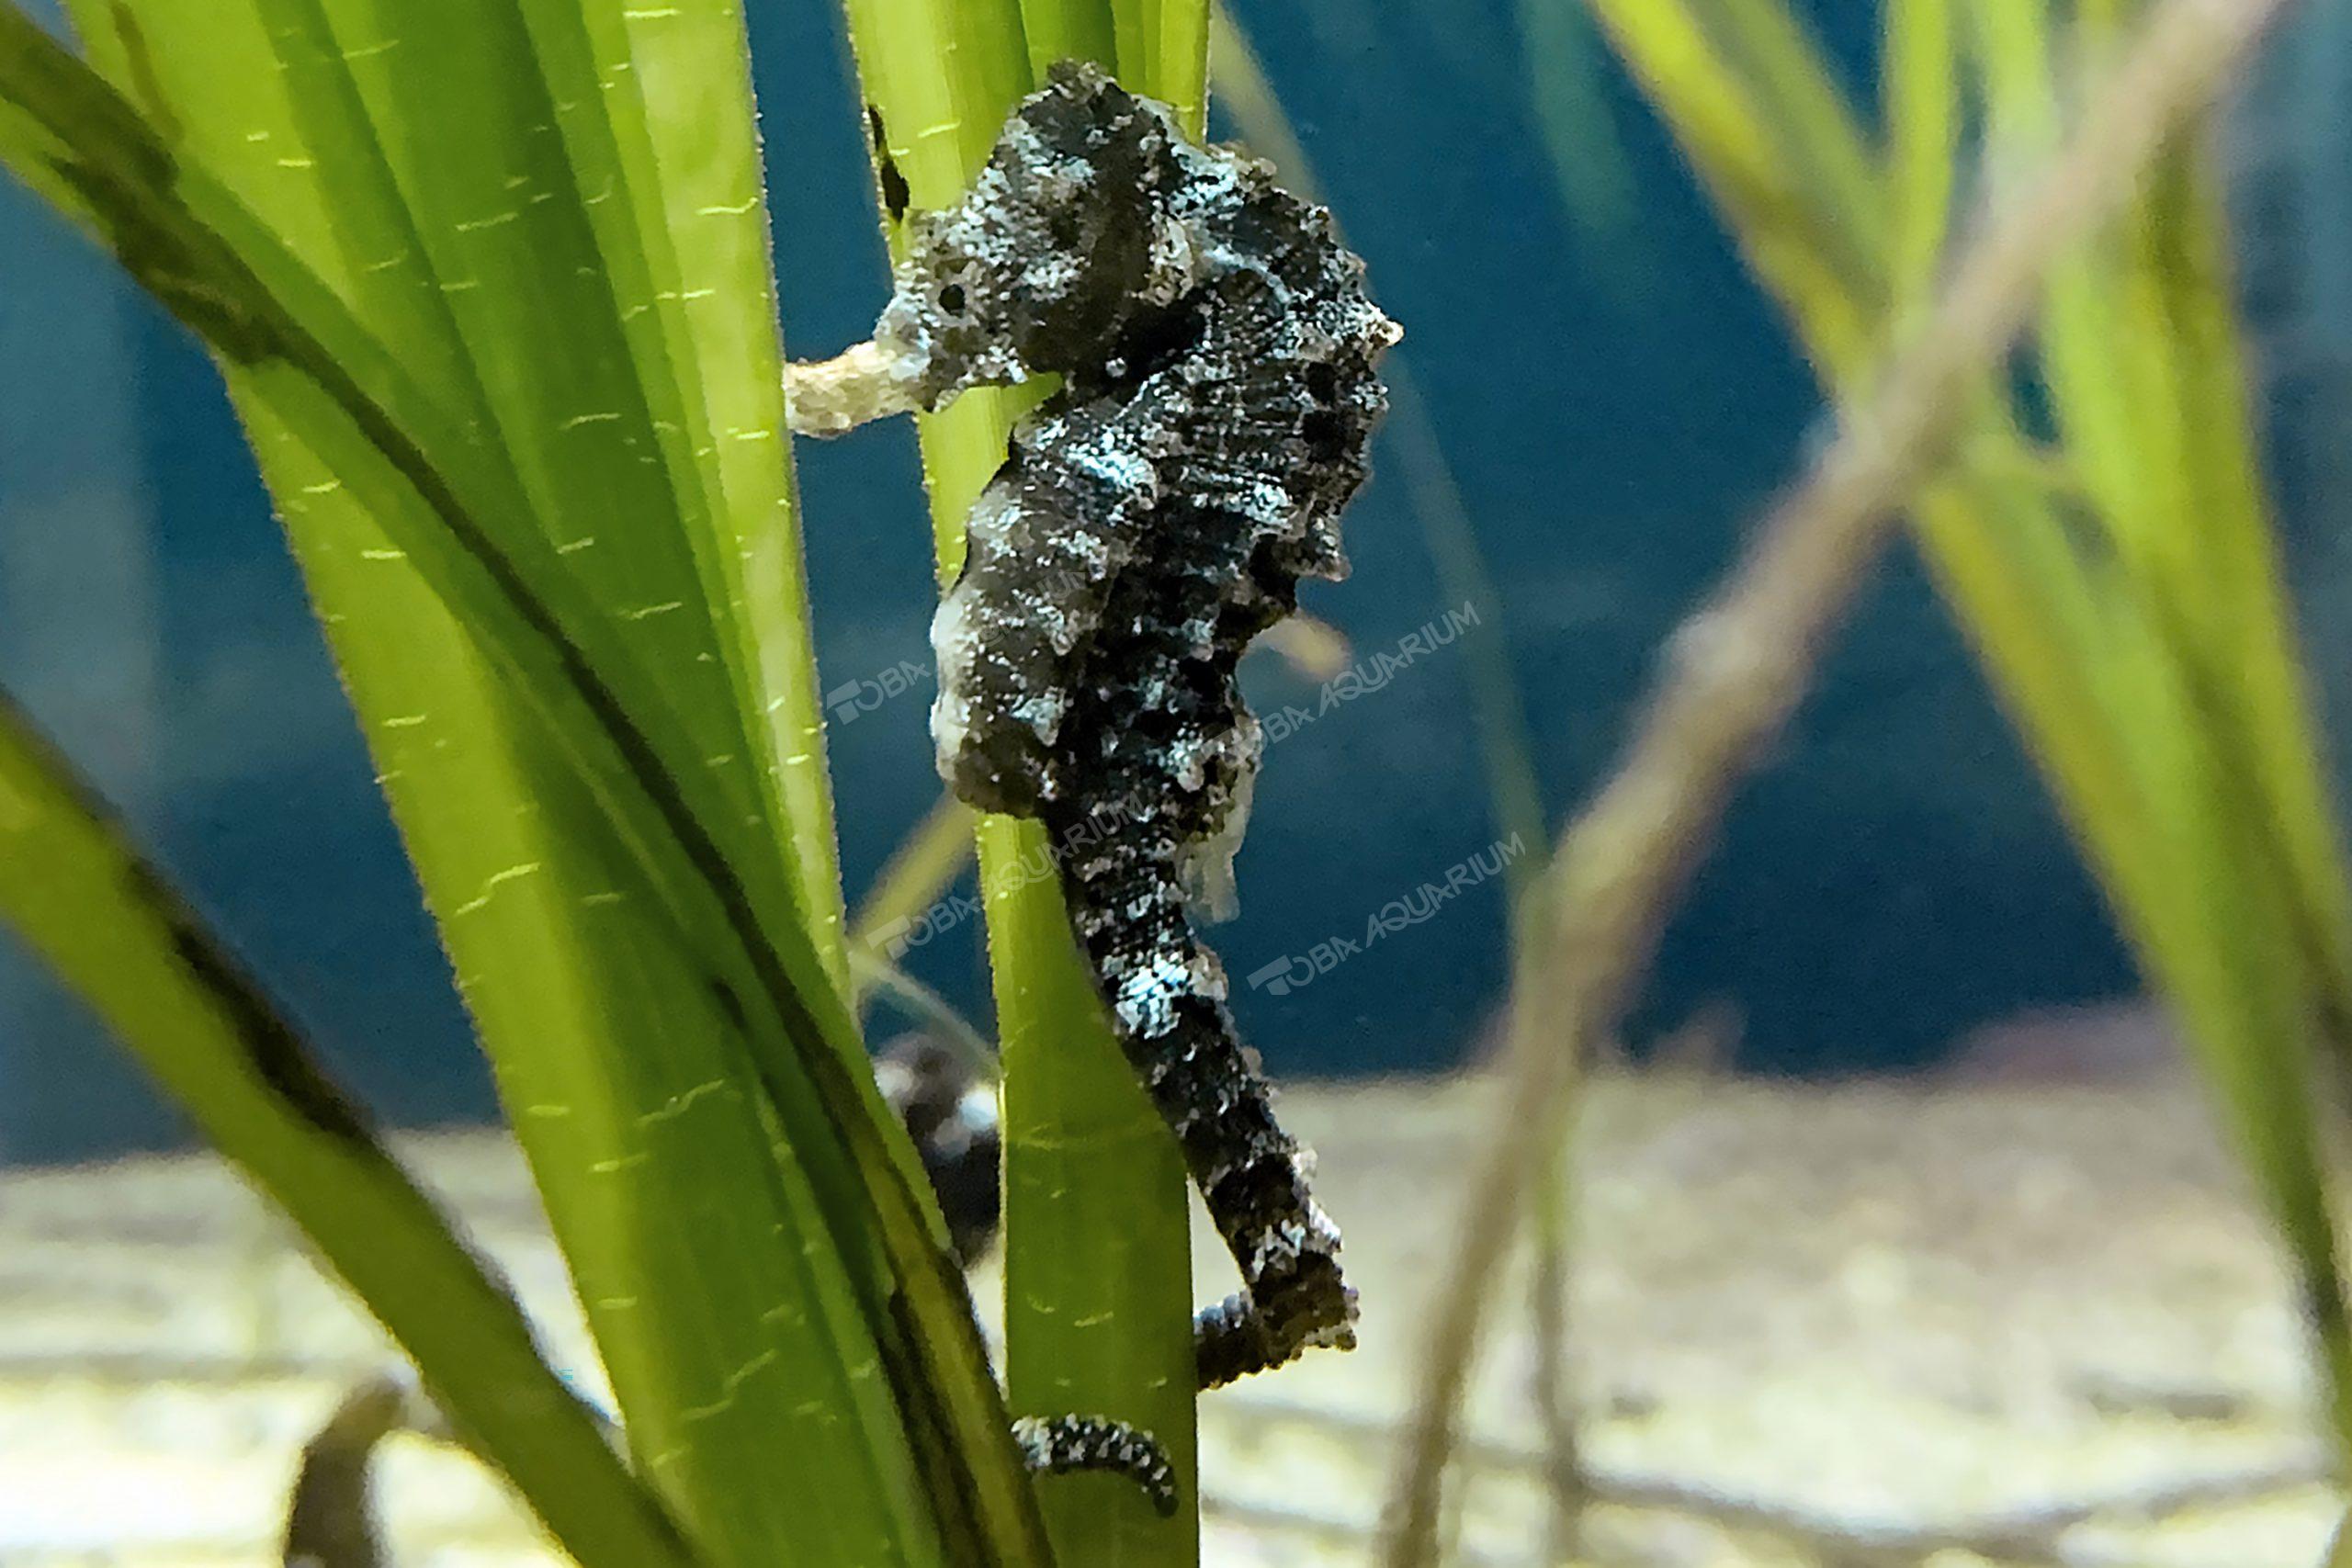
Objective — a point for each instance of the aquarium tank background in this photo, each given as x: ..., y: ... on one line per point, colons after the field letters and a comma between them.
x: 1613, y: 399
x: 1757, y: 1135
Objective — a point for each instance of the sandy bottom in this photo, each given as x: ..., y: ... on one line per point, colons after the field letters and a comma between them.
x: 1860, y: 1325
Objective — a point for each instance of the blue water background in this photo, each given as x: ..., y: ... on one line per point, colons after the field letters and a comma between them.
x: 1615, y: 398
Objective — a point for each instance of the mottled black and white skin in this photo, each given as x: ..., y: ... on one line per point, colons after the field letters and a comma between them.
x: 1217, y: 355
x: 950, y: 1113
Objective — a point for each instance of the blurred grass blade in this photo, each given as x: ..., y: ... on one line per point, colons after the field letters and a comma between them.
x: 1721, y: 121
x: 2133, y: 615
x: 1923, y: 128
x: 2098, y: 380
x: 918, y: 874
x: 1563, y: 56
x: 1098, y: 1258
x: 763, y: 992
x: 567, y: 972
x: 2231, y: 576
x: 1811, y: 118
x: 938, y: 1018
x: 102, y: 917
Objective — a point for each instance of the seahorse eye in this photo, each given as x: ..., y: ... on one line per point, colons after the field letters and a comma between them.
x: 951, y: 299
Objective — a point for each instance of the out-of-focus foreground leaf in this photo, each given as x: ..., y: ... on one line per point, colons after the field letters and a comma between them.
x: 104, y: 918
x: 2120, y: 584
x: 599, y: 848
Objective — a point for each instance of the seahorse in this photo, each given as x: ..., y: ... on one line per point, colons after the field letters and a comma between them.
x: 1218, y: 361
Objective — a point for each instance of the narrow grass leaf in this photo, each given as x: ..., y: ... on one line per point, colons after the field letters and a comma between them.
x: 1098, y: 1261
x: 916, y: 877
x: 471, y: 537
x: 103, y: 918
x: 2130, y: 614
x: 1923, y: 131
x: 1811, y: 117
x: 562, y: 971
x: 1733, y: 147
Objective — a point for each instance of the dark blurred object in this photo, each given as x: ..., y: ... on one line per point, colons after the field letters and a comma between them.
x: 329, y: 1521
x: 949, y: 1110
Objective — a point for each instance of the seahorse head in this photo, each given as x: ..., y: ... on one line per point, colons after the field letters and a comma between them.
x: 1063, y: 241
